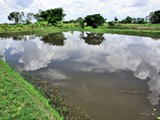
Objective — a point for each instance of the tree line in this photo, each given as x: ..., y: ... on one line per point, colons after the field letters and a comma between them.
x: 54, y: 16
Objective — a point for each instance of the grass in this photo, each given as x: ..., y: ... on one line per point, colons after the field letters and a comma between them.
x: 113, y: 30
x: 19, y: 100
x: 150, y: 30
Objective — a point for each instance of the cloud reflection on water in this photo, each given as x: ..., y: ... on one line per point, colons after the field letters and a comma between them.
x: 138, y: 54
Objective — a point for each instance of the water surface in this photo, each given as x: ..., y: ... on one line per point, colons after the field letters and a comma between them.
x: 109, y: 76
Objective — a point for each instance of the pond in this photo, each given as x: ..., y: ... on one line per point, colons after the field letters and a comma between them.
x: 109, y: 76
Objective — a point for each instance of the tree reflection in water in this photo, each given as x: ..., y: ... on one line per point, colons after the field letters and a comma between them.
x: 55, y: 39
x: 18, y: 37
x: 92, y: 38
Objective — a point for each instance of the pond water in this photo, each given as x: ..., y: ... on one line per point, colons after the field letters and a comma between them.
x: 109, y: 76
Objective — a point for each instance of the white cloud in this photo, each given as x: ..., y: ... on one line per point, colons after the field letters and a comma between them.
x: 75, y: 8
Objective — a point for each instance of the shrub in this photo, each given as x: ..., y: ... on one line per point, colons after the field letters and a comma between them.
x: 111, y: 23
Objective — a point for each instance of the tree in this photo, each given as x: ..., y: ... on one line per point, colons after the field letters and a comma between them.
x: 37, y: 16
x: 29, y: 17
x: 94, y: 20
x: 154, y: 17
x: 140, y: 20
x: 134, y: 20
x: 72, y: 21
x: 116, y: 19
x: 80, y: 20
x: 111, y: 23
x: 51, y: 16
x: 128, y: 19
x: 15, y: 16
x: 26, y: 18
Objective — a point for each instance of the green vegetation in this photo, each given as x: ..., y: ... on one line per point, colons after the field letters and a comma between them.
x: 154, y: 17
x: 15, y: 16
x: 41, y: 28
x: 51, y: 20
x: 128, y: 19
x: 51, y: 16
x: 18, y: 17
x: 111, y: 23
x: 20, y: 100
x: 115, y: 19
x: 94, y: 20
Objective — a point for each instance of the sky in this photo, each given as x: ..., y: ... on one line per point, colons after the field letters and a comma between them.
x: 80, y: 8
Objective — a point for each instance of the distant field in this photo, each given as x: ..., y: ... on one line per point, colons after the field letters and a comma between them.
x: 150, y: 30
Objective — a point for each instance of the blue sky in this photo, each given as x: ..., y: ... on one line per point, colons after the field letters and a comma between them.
x: 75, y: 8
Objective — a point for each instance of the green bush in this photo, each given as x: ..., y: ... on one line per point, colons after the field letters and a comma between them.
x: 59, y: 24
x: 111, y: 23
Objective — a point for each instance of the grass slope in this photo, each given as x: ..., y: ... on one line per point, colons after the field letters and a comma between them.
x: 19, y: 100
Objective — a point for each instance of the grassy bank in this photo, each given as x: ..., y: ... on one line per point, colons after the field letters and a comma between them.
x: 149, y: 30
x: 19, y: 100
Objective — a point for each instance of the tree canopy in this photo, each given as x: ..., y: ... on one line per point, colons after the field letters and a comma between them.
x: 56, y: 15
x: 18, y: 17
x: 29, y: 17
x: 51, y: 16
x: 115, y: 19
x: 15, y: 16
x: 94, y: 20
x: 128, y: 19
x: 154, y: 17
x: 80, y: 20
